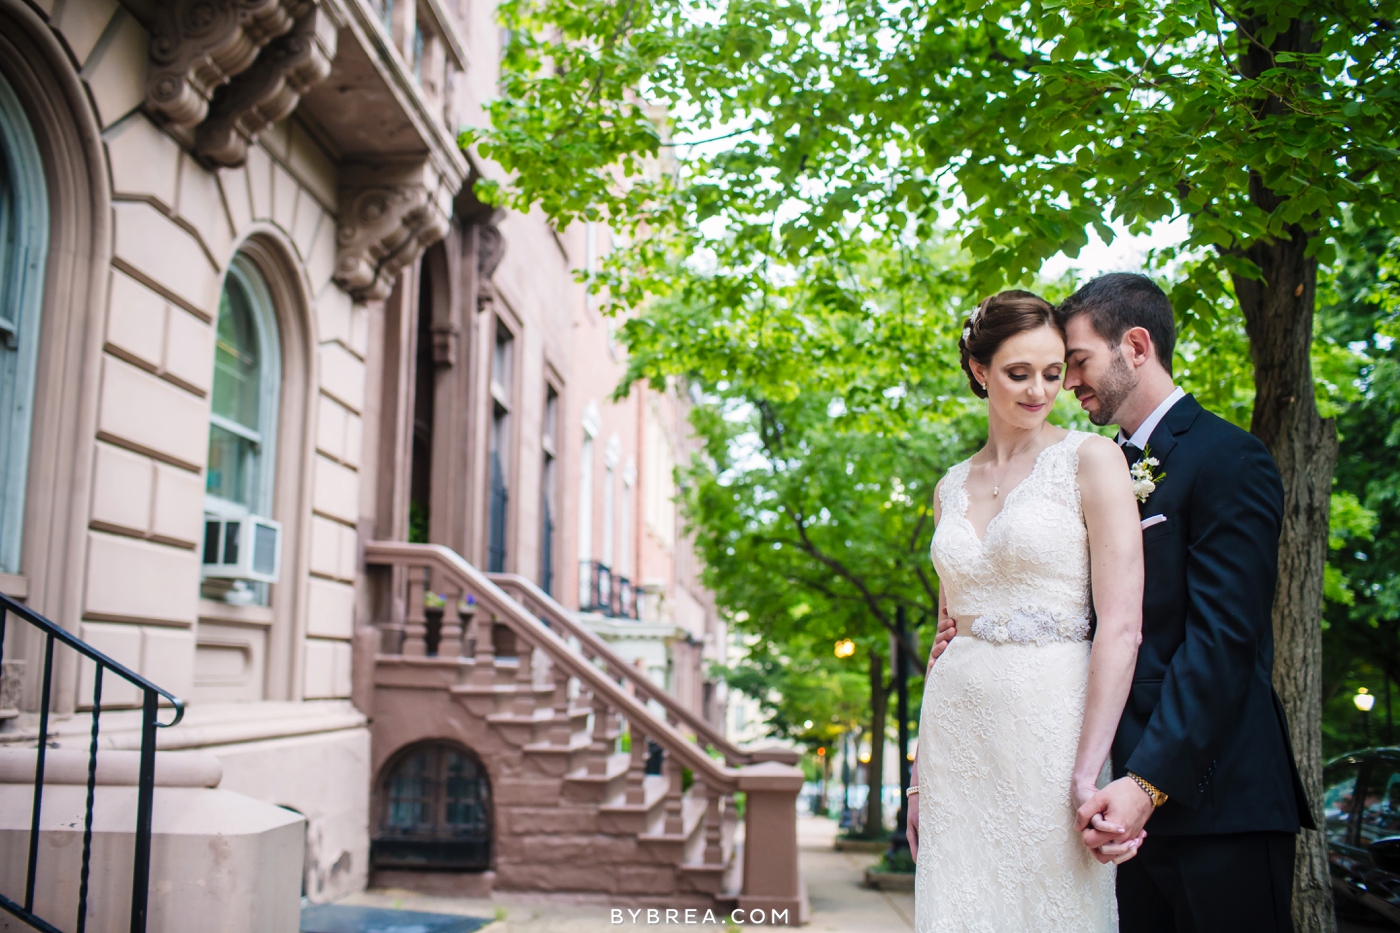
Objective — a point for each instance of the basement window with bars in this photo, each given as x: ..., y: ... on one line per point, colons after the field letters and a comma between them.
x: 435, y: 806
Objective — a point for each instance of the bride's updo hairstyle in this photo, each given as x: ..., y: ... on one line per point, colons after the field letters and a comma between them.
x: 996, y: 320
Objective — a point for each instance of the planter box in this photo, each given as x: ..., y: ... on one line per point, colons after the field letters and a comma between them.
x: 889, y: 880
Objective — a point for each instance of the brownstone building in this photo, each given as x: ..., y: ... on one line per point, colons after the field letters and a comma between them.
x: 295, y: 427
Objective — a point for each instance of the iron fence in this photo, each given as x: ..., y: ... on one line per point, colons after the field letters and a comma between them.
x: 146, y: 780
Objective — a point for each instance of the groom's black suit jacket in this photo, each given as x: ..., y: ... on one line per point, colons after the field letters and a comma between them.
x: 1202, y: 722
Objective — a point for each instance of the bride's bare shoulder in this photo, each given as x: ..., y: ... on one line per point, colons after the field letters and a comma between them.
x: 1101, y: 464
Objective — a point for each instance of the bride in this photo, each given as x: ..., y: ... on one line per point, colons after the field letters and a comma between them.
x: 1019, y: 710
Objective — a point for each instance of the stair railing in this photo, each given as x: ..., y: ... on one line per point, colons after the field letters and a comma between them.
x: 555, y: 615
x: 146, y: 779
x: 770, y: 880
x: 494, y: 605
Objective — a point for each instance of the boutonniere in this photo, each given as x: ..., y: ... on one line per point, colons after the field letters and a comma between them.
x: 1144, y: 475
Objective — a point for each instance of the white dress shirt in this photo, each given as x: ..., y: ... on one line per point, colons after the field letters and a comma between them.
x: 1144, y: 432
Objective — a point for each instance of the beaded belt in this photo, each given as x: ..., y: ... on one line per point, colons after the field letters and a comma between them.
x: 1030, y: 627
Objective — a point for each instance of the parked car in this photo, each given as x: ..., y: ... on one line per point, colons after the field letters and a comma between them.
x: 1361, y: 807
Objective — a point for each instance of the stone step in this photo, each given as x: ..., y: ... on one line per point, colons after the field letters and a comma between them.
x: 582, y: 785
x: 618, y: 816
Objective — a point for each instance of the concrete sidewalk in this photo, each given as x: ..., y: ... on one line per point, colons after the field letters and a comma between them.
x: 839, y: 903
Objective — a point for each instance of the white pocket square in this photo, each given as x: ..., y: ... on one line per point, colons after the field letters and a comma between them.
x: 1153, y: 520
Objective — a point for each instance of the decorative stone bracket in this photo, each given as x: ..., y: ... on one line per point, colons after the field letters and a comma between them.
x: 269, y: 90
x: 389, y: 214
x: 199, y: 45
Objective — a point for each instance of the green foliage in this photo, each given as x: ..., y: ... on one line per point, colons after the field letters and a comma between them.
x: 1359, y: 307
x: 1020, y: 125
x: 901, y: 862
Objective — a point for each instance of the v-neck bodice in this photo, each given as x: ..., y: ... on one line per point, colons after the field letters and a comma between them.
x: 1027, y: 580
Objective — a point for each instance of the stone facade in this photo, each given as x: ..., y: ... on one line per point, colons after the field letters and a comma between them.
x: 423, y: 369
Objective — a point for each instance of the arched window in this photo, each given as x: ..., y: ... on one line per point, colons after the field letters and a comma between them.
x: 243, y: 411
x: 435, y: 811
x: 24, y: 237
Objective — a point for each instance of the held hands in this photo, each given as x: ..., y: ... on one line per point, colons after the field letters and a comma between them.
x: 1111, y: 819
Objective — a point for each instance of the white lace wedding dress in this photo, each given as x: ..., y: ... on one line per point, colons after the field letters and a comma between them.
x: 1002, y: 711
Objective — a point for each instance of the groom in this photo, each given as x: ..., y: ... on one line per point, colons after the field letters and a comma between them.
x: 1202, y: 748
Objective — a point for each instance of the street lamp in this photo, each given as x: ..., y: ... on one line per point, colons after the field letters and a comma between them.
x: 1364, y: 702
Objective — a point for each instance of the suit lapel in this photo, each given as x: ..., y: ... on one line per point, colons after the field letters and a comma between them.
x: 1177, y: 421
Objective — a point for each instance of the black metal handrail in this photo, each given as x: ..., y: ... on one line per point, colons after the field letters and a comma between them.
x: 603, y: 591
x: 146, y: 780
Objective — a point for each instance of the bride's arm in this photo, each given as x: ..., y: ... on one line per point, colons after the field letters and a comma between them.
x: 1115, y: 559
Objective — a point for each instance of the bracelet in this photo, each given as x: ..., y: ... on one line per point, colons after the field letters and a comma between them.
x: 1158, y: 798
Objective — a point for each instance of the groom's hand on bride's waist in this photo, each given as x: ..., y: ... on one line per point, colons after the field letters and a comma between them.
x: 947, y: 628
x: 1114, y: 817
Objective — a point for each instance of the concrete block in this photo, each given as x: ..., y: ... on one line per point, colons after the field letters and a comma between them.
x: 325, y: 546
x: 333, y: 311
x: 320, y: 260
x: 284, y: 198
x: 343, y: 376
x: 229, y: 860
x: 354, y: 440
x: 167, y: 659
x: 133, y: 579
x: 189, y: 349
x: 359, y: 330
x: 123, y: 487
x: 259, y: 168
x: 163, y: 253
x: 330, y: 427
x: 116, y: 76
x: 151, y: 413
x: 336, y: 490
x: 326, y: 778
x: 331, y: 609
x: 341, y: 668
x: 305, y: 223
x: 201, y: 205
x: 121, y: 643
x: 135, y: 320
x: 178, y: 510
x: 82, y: 23
x: 349, y: 553
x: 234, y: 182
x: 145, y: 162
x: 319, y: 678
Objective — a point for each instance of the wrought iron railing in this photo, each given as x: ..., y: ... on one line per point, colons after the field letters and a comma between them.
x: 146, y: 780
x: 605, y: 592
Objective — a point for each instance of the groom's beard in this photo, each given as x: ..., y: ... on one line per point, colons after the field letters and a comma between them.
x: 1117, y: 384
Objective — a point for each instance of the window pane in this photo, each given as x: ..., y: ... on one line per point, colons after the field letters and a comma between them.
x: 1338, y: 800
x: 466, y: 804
x: 237, y: 362
x: 232, y: 466
x: 1380, y: 808
x: 409, y: 795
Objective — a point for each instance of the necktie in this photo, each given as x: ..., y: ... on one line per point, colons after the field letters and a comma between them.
x: 1131, y: 453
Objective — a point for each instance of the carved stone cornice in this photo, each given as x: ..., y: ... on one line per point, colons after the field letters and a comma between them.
x: 388, y: 215
x: 199, y: 45
x: 269, y: 90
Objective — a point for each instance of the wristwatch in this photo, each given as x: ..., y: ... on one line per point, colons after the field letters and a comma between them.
x: 1158, y: 798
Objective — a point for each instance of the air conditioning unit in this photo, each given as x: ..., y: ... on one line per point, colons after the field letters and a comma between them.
x: 247, y: 547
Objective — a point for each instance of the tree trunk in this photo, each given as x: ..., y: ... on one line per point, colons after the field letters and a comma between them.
x: 875, y: 771
x: 1278, y: 314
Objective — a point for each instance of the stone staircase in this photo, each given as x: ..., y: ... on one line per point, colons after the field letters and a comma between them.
x: 602, y: 786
